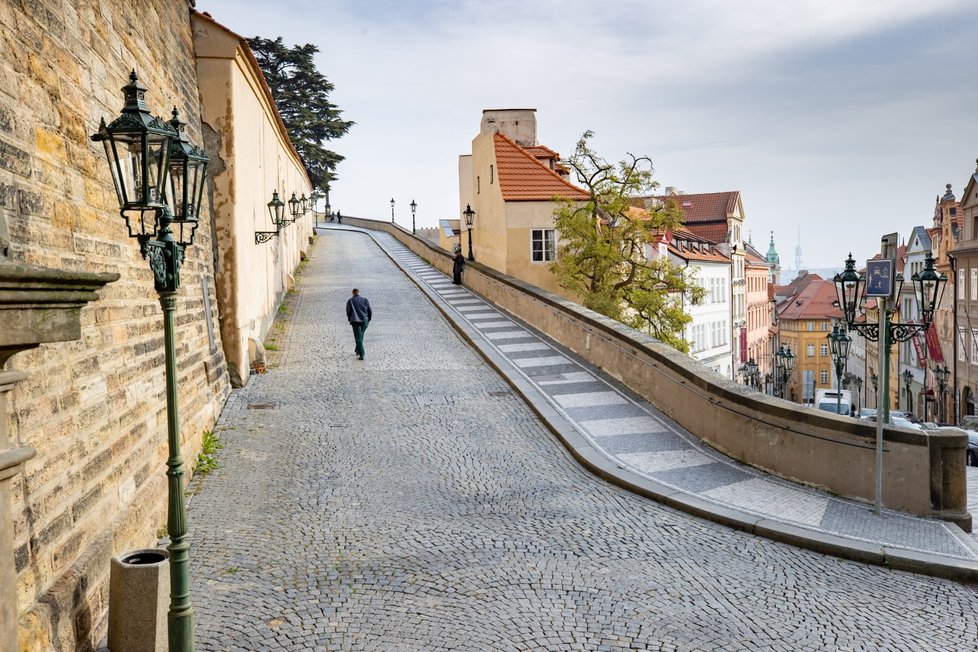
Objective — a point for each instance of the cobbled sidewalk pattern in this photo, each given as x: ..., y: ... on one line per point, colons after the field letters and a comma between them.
x: 412, y: 501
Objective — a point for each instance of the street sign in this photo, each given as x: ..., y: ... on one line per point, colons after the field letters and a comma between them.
x: 879, y: 278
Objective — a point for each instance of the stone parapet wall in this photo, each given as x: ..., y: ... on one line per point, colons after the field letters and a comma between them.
x: 95, y: 408
x: 924, y: 471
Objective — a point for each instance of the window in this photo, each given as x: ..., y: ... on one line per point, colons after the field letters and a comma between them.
x: 823, y: 377
x: 961, y: 345
x: 974, y: 284
x: 825, y: 326
x: 490, y: 174
x: 811, y: 326
x: 542, y: 249
x: 824, y: 350
x: 810, y: 350
x: 974, y: 345
x: 961, y: 284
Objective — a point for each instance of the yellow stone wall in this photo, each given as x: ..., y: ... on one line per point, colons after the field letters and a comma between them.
x: 94, y: 409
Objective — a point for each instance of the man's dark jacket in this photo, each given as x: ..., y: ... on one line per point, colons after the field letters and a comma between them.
x: 358, y: 309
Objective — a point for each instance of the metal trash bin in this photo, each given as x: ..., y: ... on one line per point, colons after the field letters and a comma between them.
x: 139, y: 590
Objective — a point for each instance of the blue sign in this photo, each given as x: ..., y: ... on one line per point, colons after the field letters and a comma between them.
x: 879, y: 278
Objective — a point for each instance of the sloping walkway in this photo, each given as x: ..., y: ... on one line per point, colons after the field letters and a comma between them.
x: 413, y: 502
x: 602, y: 422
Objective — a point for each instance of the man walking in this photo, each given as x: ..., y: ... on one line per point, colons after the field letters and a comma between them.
x: 358, y: 313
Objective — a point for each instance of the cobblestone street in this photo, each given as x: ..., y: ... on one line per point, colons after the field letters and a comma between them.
x: 411, y: 501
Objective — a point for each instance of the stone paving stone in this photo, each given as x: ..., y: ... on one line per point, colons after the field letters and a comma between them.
x: 758, y: 495
x: 355, y: 517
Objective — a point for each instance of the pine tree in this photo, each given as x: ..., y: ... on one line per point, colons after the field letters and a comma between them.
x: 301, y: 93
x: 602, y: 253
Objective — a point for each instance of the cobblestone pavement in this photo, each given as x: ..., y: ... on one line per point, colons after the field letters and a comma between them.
x: 412, y: 502
x: 633, y: 433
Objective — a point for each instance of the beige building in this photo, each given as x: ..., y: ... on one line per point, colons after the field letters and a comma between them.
x: 256, y: 158
x: 510, y: 181
x: 93, y: 410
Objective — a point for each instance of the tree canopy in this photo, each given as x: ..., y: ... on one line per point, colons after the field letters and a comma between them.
x: 301, y: 93
x: 603, y: 247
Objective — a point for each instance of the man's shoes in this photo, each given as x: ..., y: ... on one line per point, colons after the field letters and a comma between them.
x: 360, y: 356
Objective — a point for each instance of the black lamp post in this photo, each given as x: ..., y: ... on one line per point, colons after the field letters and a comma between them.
x: 414, y: 207
x: 852, y: 290
x: 784, y: 360
x: 276, y: 213
x: 392, y: 210
x: 304, y: 204
x: 907, y: 379
x: 839, y: 344
x: 295, y: 208
x: 469, y: 216
x: 750, y: 373
x: 941, y: 374
x: 159, y: 181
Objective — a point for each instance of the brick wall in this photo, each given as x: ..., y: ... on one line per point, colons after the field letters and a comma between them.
x: 95, y: 408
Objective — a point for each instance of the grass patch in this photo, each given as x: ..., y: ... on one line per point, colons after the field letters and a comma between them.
x: 270, y: 347
x: 207, y: 460
x: 282, y: 308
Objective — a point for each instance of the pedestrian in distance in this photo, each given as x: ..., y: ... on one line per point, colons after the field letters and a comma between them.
x: 458, y: 266
x: 358, y: 313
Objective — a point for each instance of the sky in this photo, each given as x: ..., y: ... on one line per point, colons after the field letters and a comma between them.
x: 837, y: 120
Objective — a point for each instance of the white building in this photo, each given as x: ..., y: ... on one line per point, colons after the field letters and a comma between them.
x: 710, y: 333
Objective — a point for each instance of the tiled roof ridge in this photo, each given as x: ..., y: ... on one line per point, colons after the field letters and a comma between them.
x: 266, y: 89
x: 536, y: 161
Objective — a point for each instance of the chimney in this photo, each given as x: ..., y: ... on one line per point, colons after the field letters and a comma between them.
x: 519, y: 125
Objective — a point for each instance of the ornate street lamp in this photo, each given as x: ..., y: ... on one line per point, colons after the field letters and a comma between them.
x: 276, y: 213
x: 159, y: 182
x: 907, y: 380
x: 784, y: 360
x: 295, y: 209
x: 304, y: 203
x: 392, y: 210
x: 941, y: 374
x: 839, y: 345
x: 885, y: 287
x: 469, y: 216
x: 414, y: 207
x: 750, y: 373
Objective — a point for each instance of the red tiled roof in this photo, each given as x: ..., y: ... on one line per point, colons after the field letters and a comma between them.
x: 679, y: 243
x: 712, y: 231
x: 814, y: 302
x: 707, y: 206
x: 542, y: 151
x: 523, y: 178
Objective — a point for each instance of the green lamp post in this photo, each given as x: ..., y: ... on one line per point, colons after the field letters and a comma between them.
x: 853, y: 288
x: 159, y: 180
x: 839, y: 346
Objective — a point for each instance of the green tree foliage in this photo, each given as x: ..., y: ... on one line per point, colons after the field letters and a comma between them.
x: 302, y: 95
x: 602, y: 247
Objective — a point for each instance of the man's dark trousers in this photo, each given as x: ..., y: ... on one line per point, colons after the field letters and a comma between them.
x: 359, y: 328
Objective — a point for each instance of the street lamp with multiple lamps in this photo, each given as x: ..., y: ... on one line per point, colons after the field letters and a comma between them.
x: 784, y: 360
x: 414, y: 208
x: 469, y: 216
x: 159, y: 180
x: 852, y: 291
x: 941, y: 374
x: 751, y: 373
x: 839, y: 345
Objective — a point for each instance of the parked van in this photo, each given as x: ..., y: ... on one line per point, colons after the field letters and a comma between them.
x: 832, y: 400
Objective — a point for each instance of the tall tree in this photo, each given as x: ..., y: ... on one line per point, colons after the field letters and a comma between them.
x: 301, y: 93
x: 602, y: 255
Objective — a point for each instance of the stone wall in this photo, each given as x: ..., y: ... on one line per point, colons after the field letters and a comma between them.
x: 924, y: 471
x: 94, y: 409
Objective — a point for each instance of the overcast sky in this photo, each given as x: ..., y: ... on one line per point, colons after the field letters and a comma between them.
x: 840, y: 120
